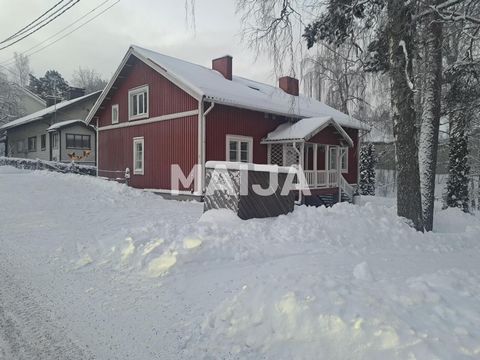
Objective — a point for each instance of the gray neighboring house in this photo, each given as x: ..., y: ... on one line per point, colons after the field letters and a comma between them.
x: 28, y: 103
x: 56, y: 133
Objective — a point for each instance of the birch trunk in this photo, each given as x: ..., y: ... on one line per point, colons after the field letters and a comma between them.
x: 403, y: 111
x: 431, y: 115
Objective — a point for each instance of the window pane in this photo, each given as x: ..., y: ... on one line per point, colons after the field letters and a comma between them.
x: 134, y: 105
x: 244, y: 146
x: 140, y: 103
x: 333, y: 158
x: 145, y: 103
x: 70, y: 140
x: 233, y: 151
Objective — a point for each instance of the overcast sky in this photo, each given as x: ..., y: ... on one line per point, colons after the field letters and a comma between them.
x: 156, y: 24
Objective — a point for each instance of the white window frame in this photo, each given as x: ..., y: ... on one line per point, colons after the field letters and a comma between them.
x: 239, y: 139
x: 115, y: 119
x: 344, y: 152
x: 138, y: 140
x: 136, y: 91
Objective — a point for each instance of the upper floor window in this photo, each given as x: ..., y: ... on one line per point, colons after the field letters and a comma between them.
x: 115, y: 114
x: 239, y: 148
x: 32, y: 143
x: 78, y: 141
x: 138, y: 103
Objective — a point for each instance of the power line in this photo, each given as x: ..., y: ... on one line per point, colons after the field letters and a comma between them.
x: 38, y: 28
x: 42, y: 21
x: 12, y: 59
x: 75, y: 29
x: 31, y: 23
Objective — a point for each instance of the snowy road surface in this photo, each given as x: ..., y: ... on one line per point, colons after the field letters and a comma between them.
x: 94, y: 270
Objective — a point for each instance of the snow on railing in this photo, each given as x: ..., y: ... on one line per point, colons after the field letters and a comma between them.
x: 348, y: 189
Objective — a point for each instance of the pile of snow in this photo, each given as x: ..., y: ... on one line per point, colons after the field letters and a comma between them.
x: 142, y: 277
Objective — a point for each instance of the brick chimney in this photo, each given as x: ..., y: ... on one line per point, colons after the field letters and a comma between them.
x: 224, y: 66
x: 75, y: 92
x: 52, y: 100
x: 289, y: 85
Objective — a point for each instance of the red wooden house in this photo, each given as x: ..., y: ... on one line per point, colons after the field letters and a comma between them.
x: 158, y: 110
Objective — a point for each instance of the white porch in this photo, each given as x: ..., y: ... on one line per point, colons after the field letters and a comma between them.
x: 323, y: 165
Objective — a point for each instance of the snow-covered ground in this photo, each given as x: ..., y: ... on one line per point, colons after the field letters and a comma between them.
x: 93, y: 269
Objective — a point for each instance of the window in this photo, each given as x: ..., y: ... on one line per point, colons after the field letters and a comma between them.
x: 138, y: 155
x: 239, y: 148
x: 20, y: 146
x: 55, y: 141
x: 32, y: 143
x: 77, y: 141
x: 43, y: 141
x: 138, y: 103
x: 344, y: 159
x: 115, y: 114
x: 332, y: 158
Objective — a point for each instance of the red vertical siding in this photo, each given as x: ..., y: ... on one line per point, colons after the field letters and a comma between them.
x: 226, y: 120
x: 166, y: 142
x: 352, y: 175
x: 164, y: 96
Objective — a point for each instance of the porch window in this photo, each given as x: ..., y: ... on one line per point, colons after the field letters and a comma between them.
x: 78, y: 141
x: 332, y: 158
x: 32, y: 143
x: 138, y: 103
x: 344, y: 159
x: 239, y: 148
x: 138, y: 155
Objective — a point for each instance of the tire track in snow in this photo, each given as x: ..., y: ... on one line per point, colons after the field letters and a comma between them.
x: 27, y: 329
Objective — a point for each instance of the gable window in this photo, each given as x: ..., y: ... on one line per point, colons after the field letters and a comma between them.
x: 344, y: 159
x: 138, y: 155
x: 115, y: 114
x: 138, y: 103
x: 78, y: 141
x: 32, y: 143
x: 239, y: 148
x: 55, y: 141
x: 43, y: 141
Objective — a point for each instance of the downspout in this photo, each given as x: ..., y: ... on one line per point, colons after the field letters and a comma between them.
x: 203, y: 144
x: 96, y: 147
x: 59, y: 146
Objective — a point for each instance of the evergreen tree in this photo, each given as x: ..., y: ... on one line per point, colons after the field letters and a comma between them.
x: 51, y: 84
x: 368, y: 161
x: 463, y: 102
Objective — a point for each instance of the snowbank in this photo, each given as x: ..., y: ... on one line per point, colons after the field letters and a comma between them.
x: 133, y: 275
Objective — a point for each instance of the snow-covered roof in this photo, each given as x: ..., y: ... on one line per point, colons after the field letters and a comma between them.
x: 304, y: 129
x: 62, y: 124
x: 47, y: 111
x: 238, y: 92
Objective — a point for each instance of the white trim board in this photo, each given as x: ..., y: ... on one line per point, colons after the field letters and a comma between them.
x: 150, y: 120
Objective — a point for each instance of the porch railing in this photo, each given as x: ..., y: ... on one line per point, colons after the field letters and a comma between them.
x: 321, y: 178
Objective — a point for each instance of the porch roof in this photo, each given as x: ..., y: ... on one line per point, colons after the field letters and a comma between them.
x: 303, y: 130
